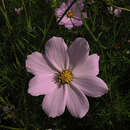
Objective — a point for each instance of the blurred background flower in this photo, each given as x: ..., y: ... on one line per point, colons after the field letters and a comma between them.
x: 114, y: 11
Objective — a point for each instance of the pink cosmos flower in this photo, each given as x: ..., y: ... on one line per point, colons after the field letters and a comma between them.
x: 73, y: 16
x: 65, y: 75
x: 116, y: 12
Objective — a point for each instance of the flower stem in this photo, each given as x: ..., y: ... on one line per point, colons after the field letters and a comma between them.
x: 3, y: 3
x: 46, y: 31
x: 125, y: 9
x: 91, y: 33
x: 10, y: 128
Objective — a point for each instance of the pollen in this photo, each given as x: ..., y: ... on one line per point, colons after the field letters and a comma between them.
x: 70, y: 14
x: 65, y: 77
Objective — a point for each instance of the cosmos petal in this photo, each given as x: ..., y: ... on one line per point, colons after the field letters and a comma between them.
x: 91, y: 86
x: 41, y: 85
x: 61, y: 10
x: 77, y: 103
x: 37, y: 64
x: 90, y: 67
x: 76, y: 5
x: 77, y: 22
x: 69, y: 26
x: 54, y: 103
x: 78, y: 51
x: 56, y: 53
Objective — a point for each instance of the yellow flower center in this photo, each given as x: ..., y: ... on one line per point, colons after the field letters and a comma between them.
x: 65, y: 77
x: 70, y: 14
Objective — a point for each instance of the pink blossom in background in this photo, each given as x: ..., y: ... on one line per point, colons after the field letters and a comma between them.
x: 117, y: 12
x: 9, y: 111
x: 18, y: 11
x: 6, y: 109
x: 73, y: 16
x: 112, y: 11
x: 65, y: 75
x: 90, y: 1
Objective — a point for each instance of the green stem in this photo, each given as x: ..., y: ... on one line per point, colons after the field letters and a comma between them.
x: 46, y: 31
x: 10, y: 128
x: 125, y: 9
x: 3, y: 3
x: 86, y: 25
x: 26, y: 14
x: 91, y: 33
x: 4, y: 12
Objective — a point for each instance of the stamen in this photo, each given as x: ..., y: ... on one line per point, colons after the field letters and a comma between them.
x: 70, y: 14
x: 65, y: 77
